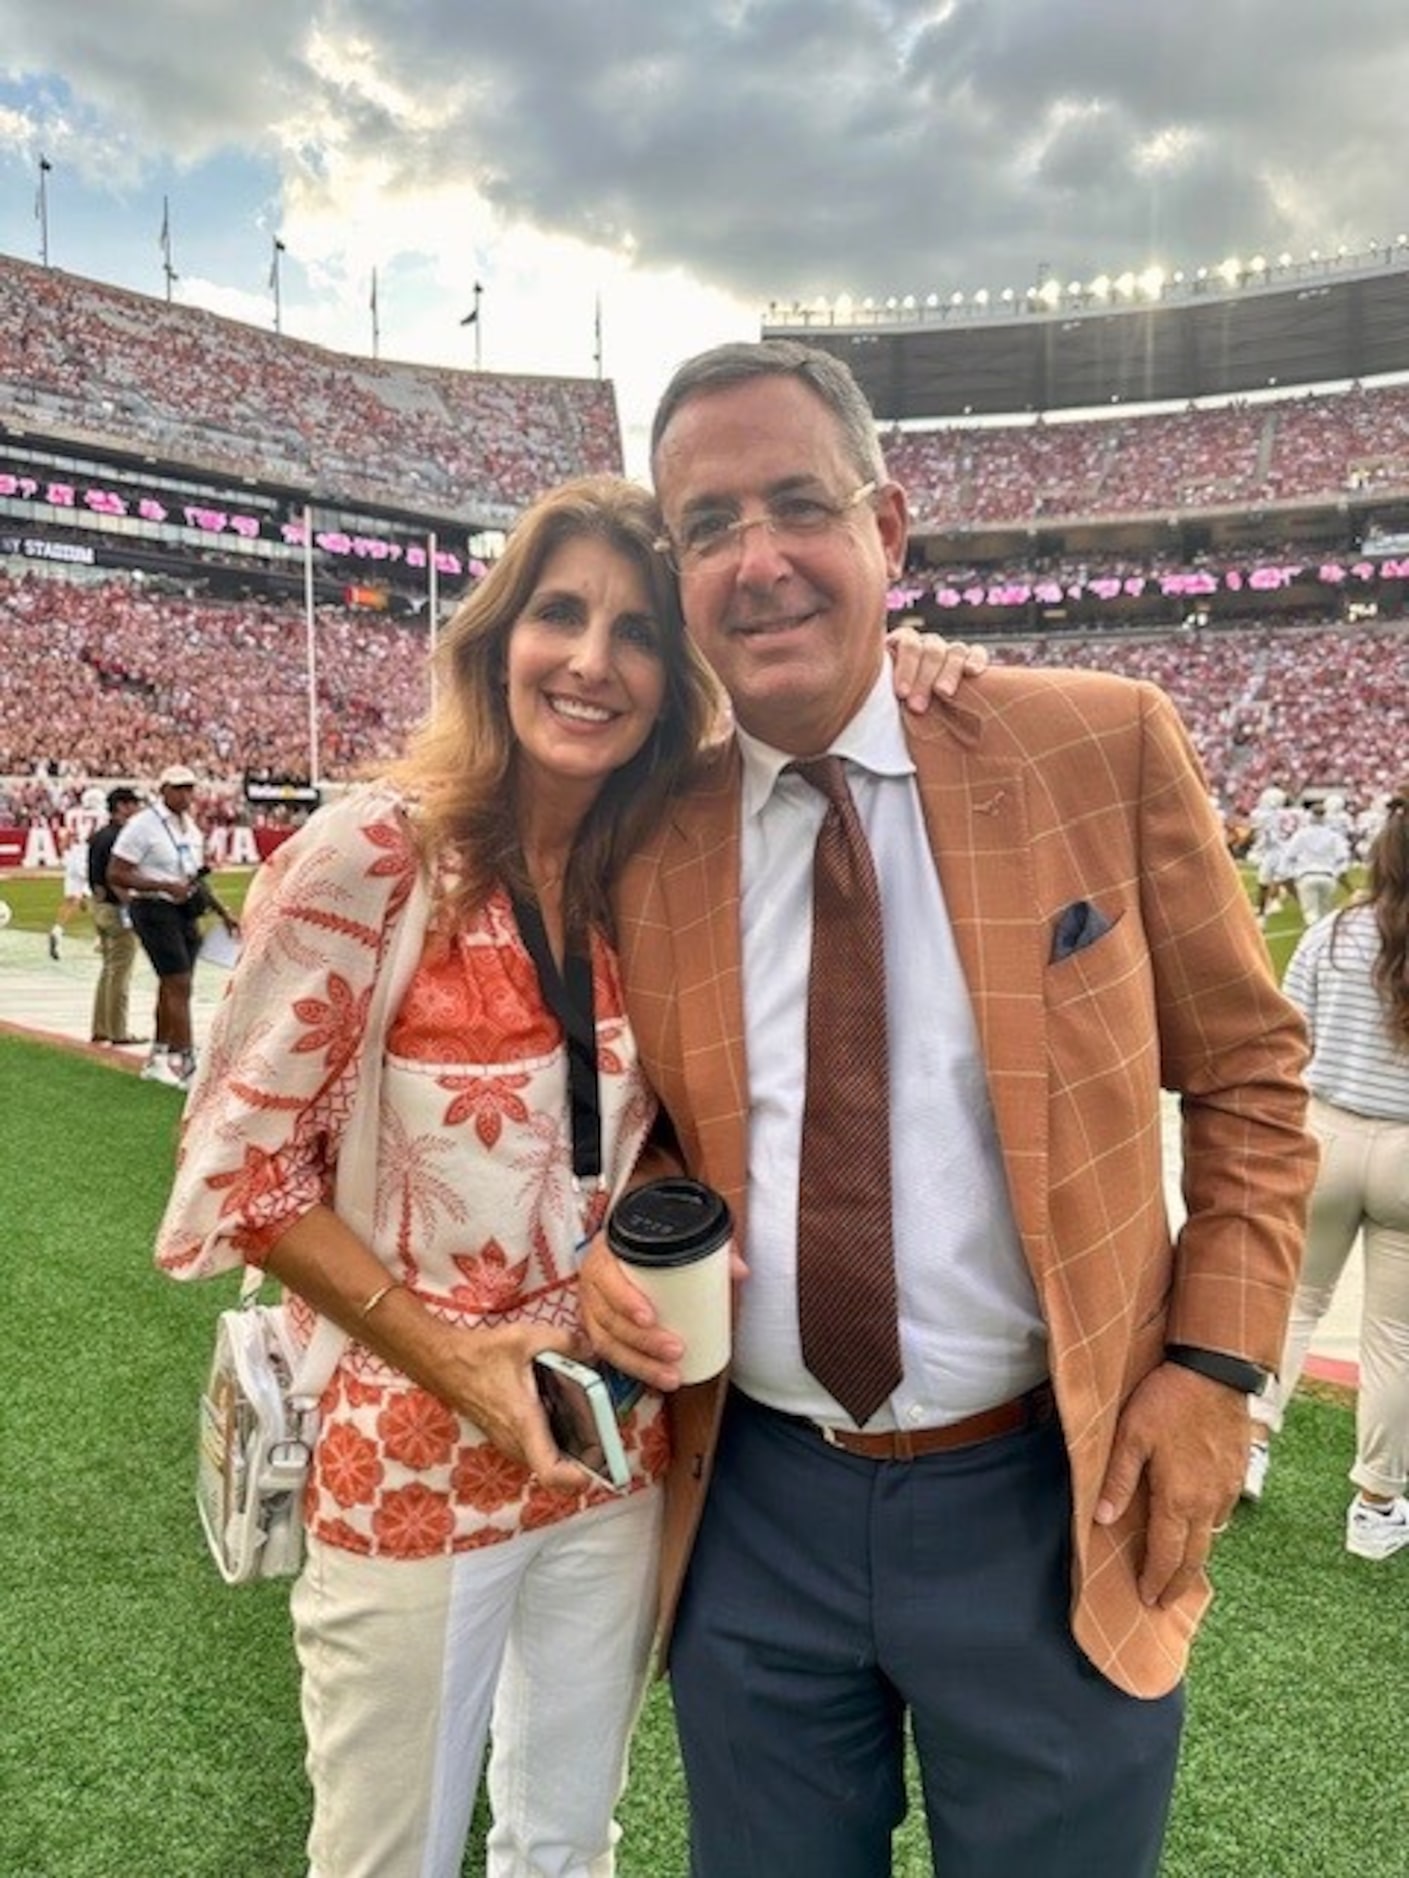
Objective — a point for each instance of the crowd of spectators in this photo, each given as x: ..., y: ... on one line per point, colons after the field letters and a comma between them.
x: 120, y: 681
x: 186, y: 385
x: 1298, y: 448
x: 108, y: 680
x: 1296, y: 708
x: 192, y: 386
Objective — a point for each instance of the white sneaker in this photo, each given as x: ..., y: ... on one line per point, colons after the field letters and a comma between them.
x: 161, y: 1069
x: 1376, y: 1531
x: 1255, y: 1478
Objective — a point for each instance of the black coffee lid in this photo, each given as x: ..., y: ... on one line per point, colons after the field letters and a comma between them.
x: 668, y: 1222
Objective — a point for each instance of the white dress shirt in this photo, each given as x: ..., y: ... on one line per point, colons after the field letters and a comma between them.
x: 971, y: 1334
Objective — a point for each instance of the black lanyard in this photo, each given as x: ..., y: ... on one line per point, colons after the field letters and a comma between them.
x: 568, y: 995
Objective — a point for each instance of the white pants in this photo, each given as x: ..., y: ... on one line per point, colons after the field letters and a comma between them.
x: 1316, y: 895
x: 1363, y: 1186
x: 409, y: 1664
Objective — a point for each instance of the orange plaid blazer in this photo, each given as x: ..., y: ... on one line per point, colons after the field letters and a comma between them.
x: 1041, y: 788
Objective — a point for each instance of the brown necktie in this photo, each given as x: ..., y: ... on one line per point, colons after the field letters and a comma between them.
x: 845, y: 1254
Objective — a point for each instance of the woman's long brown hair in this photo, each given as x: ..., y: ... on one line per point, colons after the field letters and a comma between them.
x: 1387, y: 892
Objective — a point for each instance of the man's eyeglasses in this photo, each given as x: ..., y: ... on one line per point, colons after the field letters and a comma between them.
x: 712, y: 538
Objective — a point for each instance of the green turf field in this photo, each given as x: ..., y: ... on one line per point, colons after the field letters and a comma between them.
x: 35, y: 899
x: 150, y: 1725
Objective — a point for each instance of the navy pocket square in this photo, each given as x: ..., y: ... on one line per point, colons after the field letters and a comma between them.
x: 1079, y: 925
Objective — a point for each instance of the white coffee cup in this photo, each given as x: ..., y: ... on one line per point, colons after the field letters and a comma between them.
x: 674, y: 1235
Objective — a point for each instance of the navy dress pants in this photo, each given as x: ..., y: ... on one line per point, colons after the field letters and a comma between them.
x: 830, y: 1596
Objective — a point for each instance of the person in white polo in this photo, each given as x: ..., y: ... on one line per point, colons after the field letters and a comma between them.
x: 159, y: 859
x: 1315, y: 860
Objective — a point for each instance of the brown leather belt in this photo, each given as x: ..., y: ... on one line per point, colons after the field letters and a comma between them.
x: 1024, y: 1411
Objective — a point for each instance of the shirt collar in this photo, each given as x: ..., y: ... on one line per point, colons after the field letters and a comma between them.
x: 874, y: 739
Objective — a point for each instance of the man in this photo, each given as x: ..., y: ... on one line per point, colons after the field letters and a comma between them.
x: 1316, y: 860
x: 113, y: 925
x: 159, y: 860
x: 1017, y: 1563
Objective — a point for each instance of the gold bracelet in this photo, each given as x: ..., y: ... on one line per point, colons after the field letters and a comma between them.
x: 392, y: 1284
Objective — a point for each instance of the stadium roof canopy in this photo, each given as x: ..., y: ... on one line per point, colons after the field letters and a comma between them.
x: 1238, y: 329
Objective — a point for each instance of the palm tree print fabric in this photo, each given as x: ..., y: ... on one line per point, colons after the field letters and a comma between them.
x: 475, y: 1206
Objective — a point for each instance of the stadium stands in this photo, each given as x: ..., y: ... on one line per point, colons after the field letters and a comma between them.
x: 107, y: 676
x: 110, y: 681
x: 80, y: 358
x: 1299, y: 448
x: 120, y: 682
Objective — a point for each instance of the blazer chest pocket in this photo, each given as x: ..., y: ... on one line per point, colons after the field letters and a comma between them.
x: 1101, y: 949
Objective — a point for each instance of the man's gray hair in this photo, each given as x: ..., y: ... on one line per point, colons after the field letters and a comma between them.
x: 723, y: 367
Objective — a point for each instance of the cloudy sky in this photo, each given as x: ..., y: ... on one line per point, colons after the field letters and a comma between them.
x: 684, y: 161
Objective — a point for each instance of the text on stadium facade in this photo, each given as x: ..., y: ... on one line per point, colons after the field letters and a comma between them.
x: 214, y: 521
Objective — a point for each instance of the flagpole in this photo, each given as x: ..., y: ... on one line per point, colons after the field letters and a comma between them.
x: 376, y: 334
x: 274, y: 284
x: 41, y: 209
x: 597, y: 335
x: 165, y: 244
x: 311, y: 643
x: 472, y: 319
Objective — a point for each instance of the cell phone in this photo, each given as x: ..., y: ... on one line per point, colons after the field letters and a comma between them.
x: 625, y: 1391
x: 581, y: 1417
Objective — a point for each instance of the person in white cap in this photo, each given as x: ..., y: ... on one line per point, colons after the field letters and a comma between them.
x: 159, y: 860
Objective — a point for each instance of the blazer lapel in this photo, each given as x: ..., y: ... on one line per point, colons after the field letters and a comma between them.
x: 977, y: 817
x: 700, y: 884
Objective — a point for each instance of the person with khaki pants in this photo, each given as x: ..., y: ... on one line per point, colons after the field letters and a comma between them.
x: 116, y: 939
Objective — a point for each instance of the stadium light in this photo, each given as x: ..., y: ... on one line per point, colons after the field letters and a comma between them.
x: 908, y: 303
x: 1125, y: 284
x: 931, y: 300
x: 1258, y: 264
x: 1230, y: 270
x: 1049, y: 292
x: 981, y: 297
x: 1284, y: 259
x: 1101, y: 287
x: 1073, y: 290
x: 1151, y: 283
x: 956, y: 299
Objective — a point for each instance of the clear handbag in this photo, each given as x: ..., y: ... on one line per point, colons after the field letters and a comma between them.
x: 258, y: 1422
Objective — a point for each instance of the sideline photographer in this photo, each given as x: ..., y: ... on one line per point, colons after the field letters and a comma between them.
x: 159, y: 860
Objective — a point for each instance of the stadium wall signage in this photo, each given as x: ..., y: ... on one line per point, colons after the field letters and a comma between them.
x: 1187, y: 583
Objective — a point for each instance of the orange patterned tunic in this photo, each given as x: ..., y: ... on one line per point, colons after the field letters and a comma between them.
x: 475, y: 1207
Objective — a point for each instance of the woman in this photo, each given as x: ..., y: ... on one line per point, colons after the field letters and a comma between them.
x: 1350, y: 978
x: 460, y: 1570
